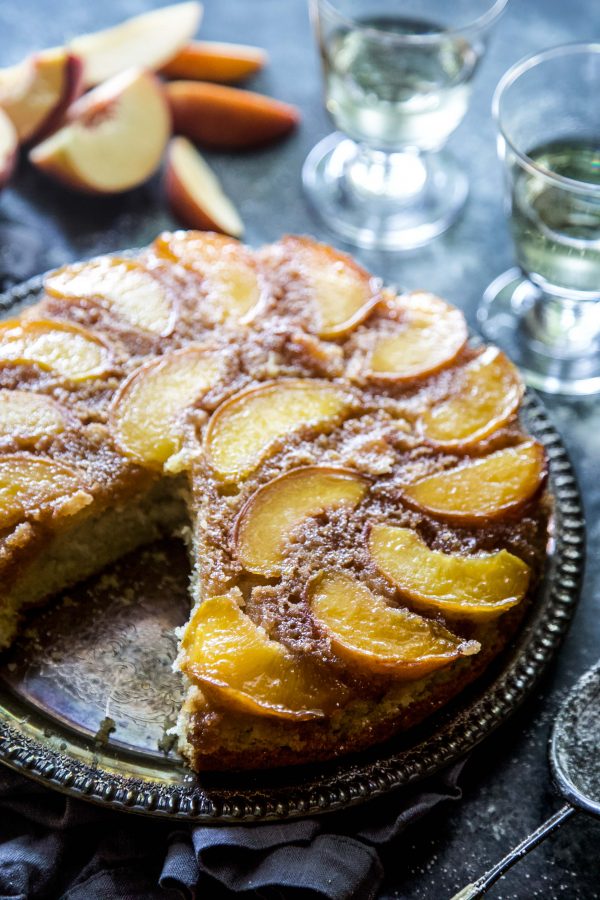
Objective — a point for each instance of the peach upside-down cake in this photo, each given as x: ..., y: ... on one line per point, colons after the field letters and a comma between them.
x: 365, y: 516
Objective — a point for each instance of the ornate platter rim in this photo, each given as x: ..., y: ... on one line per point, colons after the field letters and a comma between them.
x: 308, y: 791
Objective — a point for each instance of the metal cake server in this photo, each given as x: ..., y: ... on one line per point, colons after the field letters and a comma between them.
x: 575, y: 763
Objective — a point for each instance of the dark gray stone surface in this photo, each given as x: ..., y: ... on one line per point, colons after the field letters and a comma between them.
x: 507, y: 788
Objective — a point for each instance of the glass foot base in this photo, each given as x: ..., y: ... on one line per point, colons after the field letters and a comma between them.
x: 381, y: 201
x: 506, y: 317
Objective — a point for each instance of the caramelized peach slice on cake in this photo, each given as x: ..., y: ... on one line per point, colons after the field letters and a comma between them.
x: 146, y: 410
x: 122, y: 285
x: 69, y: 350
x: 488, y: 393
x: 227, y: 268
x: 274, y: 510
x: 236, y: 663
x: 341, y: 291
x: 32, y: 487
x: 370, y: 634
x: 420, y: 335
x: 243, y: 428
x: 483, y: 489
x: 25, y: 417
x: 477, y: 587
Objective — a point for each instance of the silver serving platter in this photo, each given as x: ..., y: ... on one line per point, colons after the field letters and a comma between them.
x: 87, y: 695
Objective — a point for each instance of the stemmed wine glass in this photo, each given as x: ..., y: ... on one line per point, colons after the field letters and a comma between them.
x: 546, y: 313
x: 397, y: 78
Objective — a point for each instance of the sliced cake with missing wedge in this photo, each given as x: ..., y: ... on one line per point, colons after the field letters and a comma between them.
x: 365, y: 515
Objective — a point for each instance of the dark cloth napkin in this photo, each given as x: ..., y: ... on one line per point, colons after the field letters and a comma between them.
x: 52, y: 846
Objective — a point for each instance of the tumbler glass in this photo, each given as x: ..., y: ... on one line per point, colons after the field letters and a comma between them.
x: 546, y: 313
x: 397, y: 78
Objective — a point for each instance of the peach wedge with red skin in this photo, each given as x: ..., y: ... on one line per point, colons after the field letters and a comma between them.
x: 114, y: 138
x: 36, y: 93
x: 149, y: 40
x: 123, y: 286
x: 270, y: 515
x: 34, y: 487
x: 487, y: 396
x: 243, y: 430
x: 227, y: 269
x: 212, y: 61
x: 341, y: 292
x: 27, y: 417
x: 194, y: 192
x: 422, y: 335
x: 378, y: 638
x: 69, y: 350
x: 145, y: 415
x: 481, y: 490
x: 8, y: 149
x: 476, y: 587
x: 227, y: 118
x: 235, y: 663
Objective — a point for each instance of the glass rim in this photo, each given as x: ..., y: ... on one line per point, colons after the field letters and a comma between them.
x: 509, y: 78
x: 495, y: 9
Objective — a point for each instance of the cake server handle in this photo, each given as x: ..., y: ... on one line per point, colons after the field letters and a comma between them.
x: 480, y: 887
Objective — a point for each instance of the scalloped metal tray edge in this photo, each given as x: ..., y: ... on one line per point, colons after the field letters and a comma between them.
x: 303, y: 791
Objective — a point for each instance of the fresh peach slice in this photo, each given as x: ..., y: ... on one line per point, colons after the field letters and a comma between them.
x: 227, y: 269
x: 481, y: 490
x: 194, y: 192
x: 477, y: 587
x: 274, y: 510
x: 149, y: 40
x: 374, y: 636
x: 146, y: 410
x: 9, y: 146
x: 114, y: 139
x: 212, y: 61
x: 235, y: 662
x: 244, y: 428
x: 487, y: 396
x: 35, y: 93
x: 123, y: 285
x: 25, y: 417
x: 71, y: 351
x: 227, y: 118
x: 34, y: 487
x: 341, y: 291
x: 423, y: 335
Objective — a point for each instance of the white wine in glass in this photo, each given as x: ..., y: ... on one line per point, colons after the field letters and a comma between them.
x: 557, y: 234
x: 393, y: 99
x: 546, y: 312
x: 397, y: 81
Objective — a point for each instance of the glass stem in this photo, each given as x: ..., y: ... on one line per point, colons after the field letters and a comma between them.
x: 398, y: 177
x: 564, y: 328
